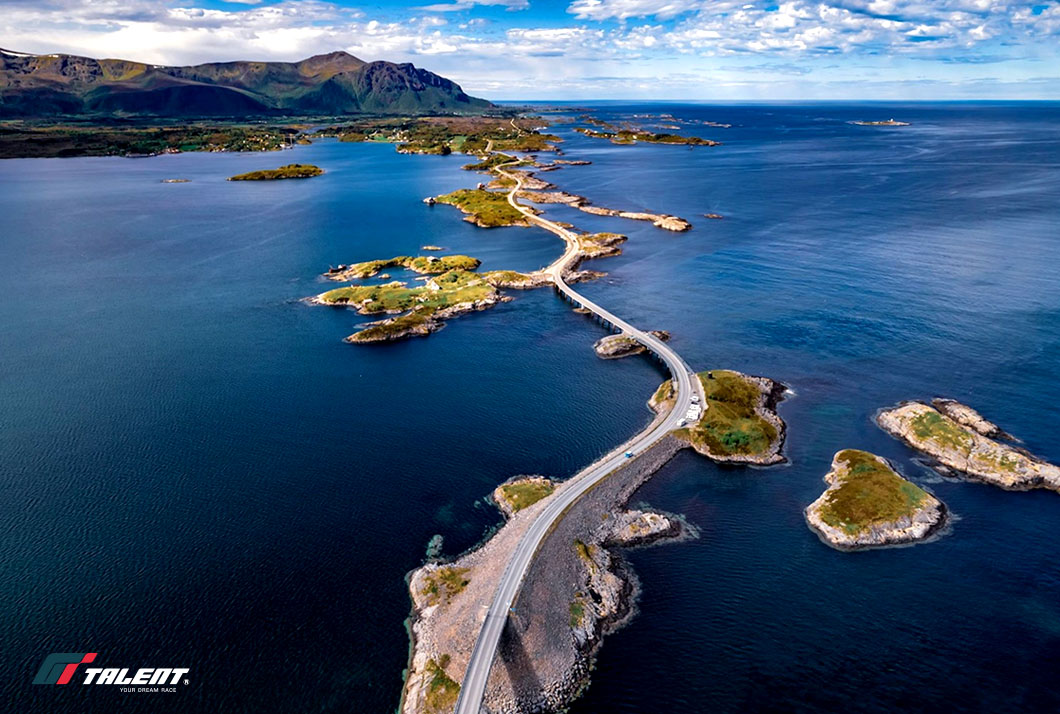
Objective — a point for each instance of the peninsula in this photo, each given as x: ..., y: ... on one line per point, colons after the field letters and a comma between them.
x: 962, y: 445
x: 290, y: 171
x: 868, y: 505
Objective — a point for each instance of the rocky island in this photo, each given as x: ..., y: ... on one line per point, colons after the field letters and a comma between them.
x: 739, y: 422
x: 885, y: 122
x: 290, y: 171
x: 957, y: 439
x: 454, y: 289
x: 619, y: 346
x: 868, y: 504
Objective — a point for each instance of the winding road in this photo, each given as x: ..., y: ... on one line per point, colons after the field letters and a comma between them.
x: 473, y: 686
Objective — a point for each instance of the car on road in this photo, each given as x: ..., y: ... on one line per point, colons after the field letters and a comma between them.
x: 629, y: 454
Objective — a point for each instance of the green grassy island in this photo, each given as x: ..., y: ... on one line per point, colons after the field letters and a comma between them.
x: 957, y: 438
x: 290, y: 171
x: 423, y: 264
x: 454, y: 289
x: 634, y: 136
x: 739, y: 423
x: 487, y: 209
x: 869, y: 504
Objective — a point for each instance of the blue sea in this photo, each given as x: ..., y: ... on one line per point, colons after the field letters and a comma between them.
x: 195, y: 470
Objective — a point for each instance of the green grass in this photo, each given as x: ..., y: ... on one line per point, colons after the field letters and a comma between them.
x: 290, y: 171
x: 664, y: 394
x: 488, y: 208
x: 868, y: 493
x: 730, y: 426
x: 454, y: 287
x: 577, y: 612
x: 631, y: 136
x: 444, y: 584
x: 442, y: 691
x: 423, y: 264
x: 490, y: 162
x: 942, y: 430
x: 523, y: 494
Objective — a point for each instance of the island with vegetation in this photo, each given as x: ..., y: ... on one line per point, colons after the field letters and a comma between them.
x: 484, y: 208
x: 443, y: 135
x: 423, y: 309
x: 635, y: 136
x: 739, y: 422
x: 958, y: 439
x: 868, y: 505
x: 290, y: 171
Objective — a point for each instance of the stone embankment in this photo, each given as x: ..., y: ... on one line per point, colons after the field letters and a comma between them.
x: 576, y: 591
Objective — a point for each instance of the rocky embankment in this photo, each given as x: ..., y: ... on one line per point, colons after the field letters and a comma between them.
x: 963, y: 447
x: 619, y: 346
x: 869, y: 505
x: 577, y: 590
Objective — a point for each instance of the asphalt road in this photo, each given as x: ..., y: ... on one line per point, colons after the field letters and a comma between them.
x: 473, y: 686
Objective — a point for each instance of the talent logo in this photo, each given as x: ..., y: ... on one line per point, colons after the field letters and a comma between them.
x: 60, y: 667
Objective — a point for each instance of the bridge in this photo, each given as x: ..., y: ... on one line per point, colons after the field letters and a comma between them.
x: 473, y: 688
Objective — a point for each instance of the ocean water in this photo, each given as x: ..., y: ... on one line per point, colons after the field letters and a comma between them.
x: 197, y: 472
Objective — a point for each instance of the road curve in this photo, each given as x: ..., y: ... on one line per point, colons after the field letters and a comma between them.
x: 473, y: 687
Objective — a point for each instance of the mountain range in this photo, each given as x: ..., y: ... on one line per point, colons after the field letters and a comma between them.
x: 335, y: 83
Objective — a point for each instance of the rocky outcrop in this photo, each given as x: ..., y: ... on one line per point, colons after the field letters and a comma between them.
x: 623, y: 345
x: 966, y: 416
x: 954, y: 446
x: 869, y: 505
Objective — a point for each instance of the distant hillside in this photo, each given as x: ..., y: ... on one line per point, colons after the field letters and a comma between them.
x: 335, y: 83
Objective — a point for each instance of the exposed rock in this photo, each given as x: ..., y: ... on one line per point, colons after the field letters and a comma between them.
x: 970, y: 418
x: 965, y: 450
x: 623, y: 345
x: 550, y: 197
x: 916, y: 516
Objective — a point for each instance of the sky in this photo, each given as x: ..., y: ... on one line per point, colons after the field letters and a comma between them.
x: 699, y: 50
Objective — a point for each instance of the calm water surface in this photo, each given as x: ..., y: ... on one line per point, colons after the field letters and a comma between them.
x: 196, y: 471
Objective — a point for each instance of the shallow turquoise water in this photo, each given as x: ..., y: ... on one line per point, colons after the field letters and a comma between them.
x: 197, y: 470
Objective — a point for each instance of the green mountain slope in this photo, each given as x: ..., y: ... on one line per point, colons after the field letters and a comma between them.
x: 334, y: 83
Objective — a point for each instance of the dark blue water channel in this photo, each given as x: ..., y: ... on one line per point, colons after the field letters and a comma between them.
x: 195, y: 471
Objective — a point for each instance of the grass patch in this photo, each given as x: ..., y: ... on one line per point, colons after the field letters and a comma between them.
x: 730, y: 425
x: 523, y: 494
x: 290, y: 171
x: 442, y: 690
x: 942, y: 430
x: 577, y: 612
x: 869, y: 493
x: 485, y: 208
x: 444, y: 583
x: 451, y: 288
